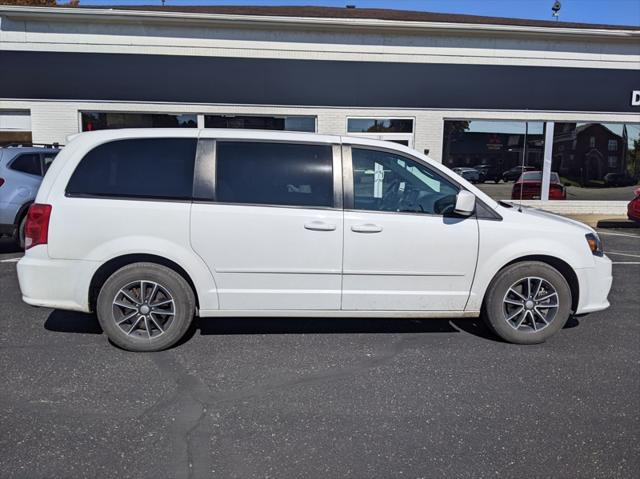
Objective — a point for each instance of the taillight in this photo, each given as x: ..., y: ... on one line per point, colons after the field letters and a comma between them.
x: 36, y: 229
x: 556, y: 192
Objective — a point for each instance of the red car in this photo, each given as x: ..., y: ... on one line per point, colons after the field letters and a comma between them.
x: 633, y: 208
x: 530, y: 182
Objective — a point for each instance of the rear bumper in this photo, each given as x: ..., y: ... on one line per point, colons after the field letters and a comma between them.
x: 60, y: 284
x: 595, y: 284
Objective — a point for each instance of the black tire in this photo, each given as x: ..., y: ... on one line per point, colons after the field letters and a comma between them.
x: 18, y: 234
x: 159, y: 335
x: 496, y: 311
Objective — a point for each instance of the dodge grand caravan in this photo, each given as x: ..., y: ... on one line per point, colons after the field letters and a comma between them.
x: 148, y: 228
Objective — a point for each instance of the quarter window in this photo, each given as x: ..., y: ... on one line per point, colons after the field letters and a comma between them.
x: 47, y: 159
x: 139, y: 168
x: 389, y: 182
x: 28, y: 163
x: 274, y: 174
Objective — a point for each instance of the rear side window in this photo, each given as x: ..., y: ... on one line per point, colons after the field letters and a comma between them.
x: 159, y: 168
x: 27, y: 163
x: 47, y: 159
x: 274, y: 174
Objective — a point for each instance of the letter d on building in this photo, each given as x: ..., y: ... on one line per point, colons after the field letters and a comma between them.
x: 635, y: 98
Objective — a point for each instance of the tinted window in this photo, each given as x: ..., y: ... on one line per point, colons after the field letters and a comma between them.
x: 145, y: 168
x: 532, y: 176
x: 47, y: 159
x: 291, y: 123
x: 376, y: 125
x: 388, y: 182
x: 93, y: 120
x: 27, y: 163
x: 274, y: 174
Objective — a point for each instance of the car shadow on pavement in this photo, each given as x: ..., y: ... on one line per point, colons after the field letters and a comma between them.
x: 572, y: 322
x: 280, y: 325
x: 7, y: 245
x: 262, y: 325
x: 72, y: 322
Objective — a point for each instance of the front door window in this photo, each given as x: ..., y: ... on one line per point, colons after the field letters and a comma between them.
x: 385, y: 181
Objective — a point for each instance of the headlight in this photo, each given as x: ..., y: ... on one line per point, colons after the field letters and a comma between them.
x: 595, y: 245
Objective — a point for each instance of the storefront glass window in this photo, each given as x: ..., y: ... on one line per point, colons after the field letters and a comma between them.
x: 288, y: 123
x: 496, y: 155
x: 379, y: 125
x: 597, y: 161
x: 93, y: 120
x: 588, y: 160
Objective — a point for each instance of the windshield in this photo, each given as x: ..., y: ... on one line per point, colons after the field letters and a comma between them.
x: 532, y: 176
x: 537, y: 176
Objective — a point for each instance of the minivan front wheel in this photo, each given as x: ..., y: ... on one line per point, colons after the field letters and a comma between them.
x: 145, y: 307
x: 527, y: 302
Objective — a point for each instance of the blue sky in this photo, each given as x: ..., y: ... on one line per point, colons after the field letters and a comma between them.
x: 621, y: 12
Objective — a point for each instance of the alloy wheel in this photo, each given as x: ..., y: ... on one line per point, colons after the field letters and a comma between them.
x: 530, y: 304
x: 144, y: 309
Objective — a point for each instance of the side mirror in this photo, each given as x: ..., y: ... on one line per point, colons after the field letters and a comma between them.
x: 465, y: 203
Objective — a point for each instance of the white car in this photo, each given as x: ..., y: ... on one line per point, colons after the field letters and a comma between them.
x: 150, y: 227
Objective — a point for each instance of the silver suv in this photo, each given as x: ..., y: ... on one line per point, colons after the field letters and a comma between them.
x: 21, y: 172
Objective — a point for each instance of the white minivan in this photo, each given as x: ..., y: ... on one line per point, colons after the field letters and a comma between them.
x: 150, y: 227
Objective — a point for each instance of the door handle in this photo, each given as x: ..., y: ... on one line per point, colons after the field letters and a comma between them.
x: 366, y: 228
x: 319, y: 226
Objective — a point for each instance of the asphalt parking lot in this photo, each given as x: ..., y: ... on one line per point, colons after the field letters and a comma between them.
x: 325, y: 398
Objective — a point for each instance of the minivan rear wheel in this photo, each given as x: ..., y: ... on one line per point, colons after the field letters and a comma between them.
x: 145, y: 307
x: 527, y: 302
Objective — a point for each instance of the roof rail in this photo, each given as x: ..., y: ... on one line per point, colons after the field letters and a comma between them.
x: 28, y: 144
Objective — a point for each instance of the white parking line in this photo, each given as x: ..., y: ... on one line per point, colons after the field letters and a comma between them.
x: 10, y: 260
x: 625, y: 262
x: 623, y: 254
x: 600, y: 232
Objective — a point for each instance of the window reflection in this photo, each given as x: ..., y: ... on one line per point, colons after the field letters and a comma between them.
x: 590, y: 160
x: 93, y: 120
x: 288, y: 123
x: 597, y: 161
x: 379, y: 125
x: 496, y: 153
x: 384, y: 181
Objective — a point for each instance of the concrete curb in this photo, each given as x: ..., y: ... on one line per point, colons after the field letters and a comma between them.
x: 604, y: 221
x: 615, y: 223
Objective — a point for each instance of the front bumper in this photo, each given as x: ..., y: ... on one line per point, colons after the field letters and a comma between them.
x: 49, y: 283
x: 595, y: 284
